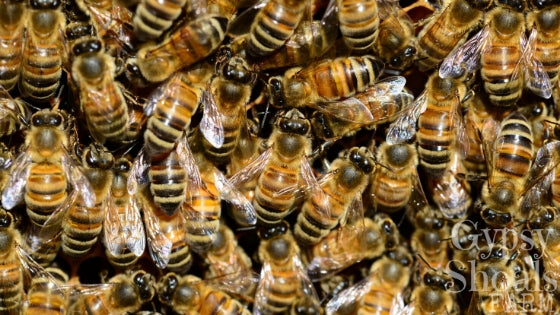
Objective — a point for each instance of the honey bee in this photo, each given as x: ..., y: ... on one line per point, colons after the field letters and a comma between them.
x: 82, y: 225
x: 506, y: 57
x: 313, y: 84
x: 477, y: 114
x: 11, y: 288
x: 352, y: 243
x: 429, y: 239
x: 380, y: 103
x: 440, y: 124
x: 494, y: 279
x: 391, y: 188
x: 154, y: 18
x: 359, y: 23
x: 168, y: 180
x: 12, y: 14
x: 41, y: 70
x: 41, y: 175
x: 544, y: 18
x: 167, y: 237
x: 123, y: 293
x: 273, y: 25
x: 184, y: 47
x: 101, y: 96
x: 310, y: 40
x: 509, y: 162
x: 448, y: 29
x: 382, y: 289
x: 123, y: 230
x: 202, y: 206
x: 170, y: 111
x: 433, y: 296
x: 191, y: 295
x: 451, y: 192
x: 225, y: 258
x: 396, y: 43
x: 283, y: 278
x: 545, y: 230
x: 282, y: 170
x: 224, y: 108
x: 46, y: 294
x: 14, y: 114
x: 324, y: 209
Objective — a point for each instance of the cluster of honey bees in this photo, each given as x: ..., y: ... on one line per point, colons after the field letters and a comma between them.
x: 279, y: 157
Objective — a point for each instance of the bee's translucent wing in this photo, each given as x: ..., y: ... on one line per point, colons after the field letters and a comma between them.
x: 14, y: 190
x: 465, y: 58
x: 243, y: 208
x: 251, y: 170
x: 404, y: 127
x: 536, y: 77
x: 159, y: 244
x: 211, y: 124
x: 138, y: 175
x: 348, y: 297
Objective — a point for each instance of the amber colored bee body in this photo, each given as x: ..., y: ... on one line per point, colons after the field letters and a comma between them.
x: 203, y: 208
x: 359, y: 22
x: 283, y: 279
x: 378, y: 104
x: 546, y: 20
x: 500, y: 59
x: 41, y: 70
x: 168, y: 182
x: 380, y: 290
x: 323, y: 210
x: 391, y: 188
x: 126, y: 293
x: 309, y: 41
x: 437, y: 126
x: 152, y: 18
x: 173, y: 109
x: 273, y: 25
x: 167, y: 237
x: 83, y: 224
x: 44, y: 168
x: 352, y: 243
x: 46, y: 294
x: 396, y: 43
x: 230, y: 91
x: 12, y: 14
x: 447, y: 30
x: 202, y: 299
x: 11, y: 286
x: 184, y: 47
x: 312, y: 84
x: 225, y: 258
x: 290, y: 144
x: 511, y: 160
x: 101, y: 96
